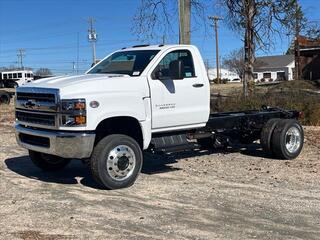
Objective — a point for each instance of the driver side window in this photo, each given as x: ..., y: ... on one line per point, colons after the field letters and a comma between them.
x: 183, y: 55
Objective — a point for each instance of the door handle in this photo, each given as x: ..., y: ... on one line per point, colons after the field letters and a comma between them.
x: 197, y: 85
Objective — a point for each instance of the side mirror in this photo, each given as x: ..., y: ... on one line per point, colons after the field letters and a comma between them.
x: 158, y: 74
x: 176, y: 69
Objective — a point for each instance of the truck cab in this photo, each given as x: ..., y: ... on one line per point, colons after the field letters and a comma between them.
x: 138, y: 98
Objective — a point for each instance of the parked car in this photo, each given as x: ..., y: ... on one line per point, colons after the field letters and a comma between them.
x: 235, y: 80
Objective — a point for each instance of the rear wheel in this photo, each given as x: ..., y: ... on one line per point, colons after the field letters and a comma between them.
x: 48, y: 162
x: 116, y: 161
x: 287, y: 139
x: 266, y: 135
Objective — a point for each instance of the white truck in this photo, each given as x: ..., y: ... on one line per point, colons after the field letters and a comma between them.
x: 140, y: 98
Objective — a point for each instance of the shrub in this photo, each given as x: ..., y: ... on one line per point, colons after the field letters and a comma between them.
x: 290, y: 99
x: 222, y: 80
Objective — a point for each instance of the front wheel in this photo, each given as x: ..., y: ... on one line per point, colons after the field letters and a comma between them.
x: 116, y: 161
x: 48, y: 162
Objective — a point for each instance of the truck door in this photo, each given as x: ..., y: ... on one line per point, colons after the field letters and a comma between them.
x: 178, y: 103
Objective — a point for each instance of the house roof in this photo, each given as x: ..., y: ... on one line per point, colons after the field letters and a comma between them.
x: 273, y: 61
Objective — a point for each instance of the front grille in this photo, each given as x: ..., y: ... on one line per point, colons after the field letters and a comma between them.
x: 35, y: 140
x: 36, y: 118
x: 38, y: 97
x: 37, y: 107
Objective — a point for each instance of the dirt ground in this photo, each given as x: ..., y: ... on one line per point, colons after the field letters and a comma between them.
x: 239, y: 194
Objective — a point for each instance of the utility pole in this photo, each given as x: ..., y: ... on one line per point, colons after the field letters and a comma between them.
x: 163, y: 39
x: 73, y: 67
x: 77, y: 53
x: 215, y: 20
x: 21, y: 55
x: 297, y: 44
x: 184, y: 21
x: 92, y: 37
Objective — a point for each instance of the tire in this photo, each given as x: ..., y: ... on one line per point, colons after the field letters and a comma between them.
x: 4, y: 98
x: 266, y: 135
x: 287, y: 139
x: 116, y: 161
x: 48, y: 162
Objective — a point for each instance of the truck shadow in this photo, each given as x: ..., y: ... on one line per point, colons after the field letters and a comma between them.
x: 69, y: 175
x: 153, y: 164
x: 253, y: 150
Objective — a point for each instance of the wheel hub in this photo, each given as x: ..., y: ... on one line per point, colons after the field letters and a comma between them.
x: 121, y: 162
x: 293, y: 139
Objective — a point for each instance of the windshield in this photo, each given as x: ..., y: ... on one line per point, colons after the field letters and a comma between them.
x: 127, y: 62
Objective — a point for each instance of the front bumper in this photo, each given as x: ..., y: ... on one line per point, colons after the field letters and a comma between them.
x: 58, y: 143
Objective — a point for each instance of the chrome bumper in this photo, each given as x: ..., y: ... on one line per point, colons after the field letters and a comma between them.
x: 59, y: 143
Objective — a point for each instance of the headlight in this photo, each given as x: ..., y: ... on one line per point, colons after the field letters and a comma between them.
x: 73, y: 113
x: 73, y: 104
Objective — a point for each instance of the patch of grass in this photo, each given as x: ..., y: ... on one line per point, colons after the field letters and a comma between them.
x: 287, y: 99
x: 292, y: 95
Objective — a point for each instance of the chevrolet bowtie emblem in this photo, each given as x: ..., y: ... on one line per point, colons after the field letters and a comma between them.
x: 30, y: 104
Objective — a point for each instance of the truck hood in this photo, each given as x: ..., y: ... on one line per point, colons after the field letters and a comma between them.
x: 88, y: 84
x: 65, y: 81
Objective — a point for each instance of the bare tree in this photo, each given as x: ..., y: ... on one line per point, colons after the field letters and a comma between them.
x: 158, y: 19
x: 312, y: 30
x: 259, y: 21
x: 235, y: 62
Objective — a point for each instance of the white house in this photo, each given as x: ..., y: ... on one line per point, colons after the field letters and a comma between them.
x: 274, y: 68
x: 224, y: 74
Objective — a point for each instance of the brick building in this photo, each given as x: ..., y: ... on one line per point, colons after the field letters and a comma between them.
x: 309, y: 58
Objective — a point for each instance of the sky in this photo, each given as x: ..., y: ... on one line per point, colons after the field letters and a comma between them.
x: 50, y: 31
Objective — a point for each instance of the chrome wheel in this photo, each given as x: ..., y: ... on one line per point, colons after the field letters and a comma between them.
x: 293, y: 139
x: 121, y: 162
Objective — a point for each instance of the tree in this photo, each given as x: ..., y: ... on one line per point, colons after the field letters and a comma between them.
x: 258, y: 21
x: 235, y: 62
x: 313, y: 31
x: 43, y: 72
x: 155, y: 19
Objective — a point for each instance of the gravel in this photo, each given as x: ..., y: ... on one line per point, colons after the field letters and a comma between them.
x: 238, y: 194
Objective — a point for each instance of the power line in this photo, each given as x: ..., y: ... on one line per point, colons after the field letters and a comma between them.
x: 30, y: 39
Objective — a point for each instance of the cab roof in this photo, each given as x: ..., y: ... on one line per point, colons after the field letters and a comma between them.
x: 153, y: 47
